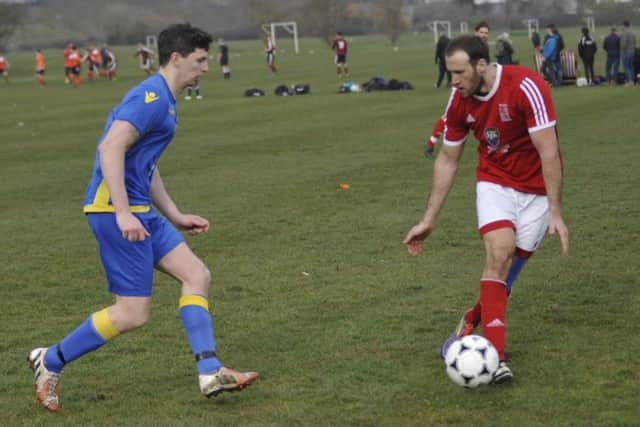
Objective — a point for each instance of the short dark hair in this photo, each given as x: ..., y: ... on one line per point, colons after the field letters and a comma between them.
x: 585, y: 31
x: 625, y: 23
x: 181, y: 38
x: 481, y: 24
x: 472, y: 45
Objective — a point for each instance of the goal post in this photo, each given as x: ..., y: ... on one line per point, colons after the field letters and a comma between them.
x: 290, y: 27
x: 532, y: 25
x: 437, y: 26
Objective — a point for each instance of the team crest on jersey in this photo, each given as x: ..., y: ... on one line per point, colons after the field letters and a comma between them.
x: 503, y: 109
x: 470, y: 118
x: 492, y: 136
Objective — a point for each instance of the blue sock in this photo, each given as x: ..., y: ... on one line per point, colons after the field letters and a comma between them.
x: 92, y: 334
x: 194, y: 310
x: 516, y: 266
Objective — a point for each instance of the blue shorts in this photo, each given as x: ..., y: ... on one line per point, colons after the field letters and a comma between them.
x: 129, y: 265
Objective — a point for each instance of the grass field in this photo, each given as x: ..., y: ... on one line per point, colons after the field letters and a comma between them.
x: 312, y: 286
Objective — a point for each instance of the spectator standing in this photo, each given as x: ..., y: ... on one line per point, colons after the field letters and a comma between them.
x: 504, y: 50
x: 535, y: 41
x: 482, y: 31
x: 611, y: 45
x: 441, y: 47
x: 587, y: 49
x: 223, y: 59
x: 628, y: 51
x: 558, y: 58
x: 549, y: 52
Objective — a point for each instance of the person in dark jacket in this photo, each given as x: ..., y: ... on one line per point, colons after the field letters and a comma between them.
x: 535, y: 41
x: 504, y: 50
x: 611, y: 45
x: 587, y: 49
x: 441, y: 47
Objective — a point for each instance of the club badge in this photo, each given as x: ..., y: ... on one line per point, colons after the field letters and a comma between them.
x: 492, y: 136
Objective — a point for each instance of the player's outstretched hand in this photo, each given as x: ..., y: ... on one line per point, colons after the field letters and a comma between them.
x: 415, y: 238
x: 428, y: 151
x: 557, y: 226
x: 192, y: 224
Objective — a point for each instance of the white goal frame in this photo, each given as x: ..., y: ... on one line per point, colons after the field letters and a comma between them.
x: 532, y: 23
x: 290, y: 27
x: 435, y: 26
x: 591, y: 23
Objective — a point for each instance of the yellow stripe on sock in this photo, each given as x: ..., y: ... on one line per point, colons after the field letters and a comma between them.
x: 102, y: 324
x: 194, y: 300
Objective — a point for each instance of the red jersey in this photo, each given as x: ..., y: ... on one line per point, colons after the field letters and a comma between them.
x: 518, y: 104
x: 340, y: 46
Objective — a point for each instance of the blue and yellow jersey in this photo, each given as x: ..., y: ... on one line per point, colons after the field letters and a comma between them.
x: 151, y: 108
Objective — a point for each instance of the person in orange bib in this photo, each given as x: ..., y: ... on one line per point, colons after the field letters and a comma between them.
x: 41, y: 66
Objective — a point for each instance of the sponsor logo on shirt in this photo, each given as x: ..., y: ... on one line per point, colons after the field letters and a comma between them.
x: 149, y: 97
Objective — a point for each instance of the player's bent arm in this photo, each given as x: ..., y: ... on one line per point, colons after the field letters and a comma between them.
x: 161, y: 198
x: 546, y: 142
x: 444, y: 173
x: 120, y: 137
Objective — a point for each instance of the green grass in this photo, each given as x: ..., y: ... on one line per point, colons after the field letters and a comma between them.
x: 355, y: 340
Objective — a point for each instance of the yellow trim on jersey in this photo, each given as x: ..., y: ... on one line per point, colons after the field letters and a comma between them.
x: 101, y: 202
x: 103, y: 326
x: 194, y: 300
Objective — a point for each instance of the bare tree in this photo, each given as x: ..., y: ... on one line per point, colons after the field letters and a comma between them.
x: 10, y: 18
x: 391, y: 19
x: 325, y: 14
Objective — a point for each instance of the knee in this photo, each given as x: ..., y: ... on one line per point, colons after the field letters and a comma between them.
x: 127, y: 317
x: 199, y: 280
x: 497, y: 262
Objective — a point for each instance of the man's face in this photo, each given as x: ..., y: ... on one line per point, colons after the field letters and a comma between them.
x: 483, y: 33
x: 193, y: 66
x: 465, y: 77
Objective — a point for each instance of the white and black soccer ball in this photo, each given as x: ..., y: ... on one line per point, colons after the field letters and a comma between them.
x: 471, y: 361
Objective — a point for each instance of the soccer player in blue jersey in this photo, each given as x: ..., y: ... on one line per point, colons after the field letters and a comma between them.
x: 136, y: 224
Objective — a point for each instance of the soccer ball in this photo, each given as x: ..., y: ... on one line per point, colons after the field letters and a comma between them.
x: 471, y: 361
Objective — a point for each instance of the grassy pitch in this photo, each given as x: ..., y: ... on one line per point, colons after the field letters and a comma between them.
x: 312, y: 286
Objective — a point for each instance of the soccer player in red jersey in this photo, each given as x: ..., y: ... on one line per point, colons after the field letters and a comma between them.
x: 430, y: 145
x: 4, y: 68
x: 270, y: 53
x: 340, y: 46
x: 519, y: 175
x: 146, y: 56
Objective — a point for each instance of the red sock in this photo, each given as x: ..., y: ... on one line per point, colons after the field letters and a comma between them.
x: 473, y: 315
x: 493, y: 297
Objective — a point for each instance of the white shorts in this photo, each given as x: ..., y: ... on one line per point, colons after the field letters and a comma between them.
x: 500, y: 207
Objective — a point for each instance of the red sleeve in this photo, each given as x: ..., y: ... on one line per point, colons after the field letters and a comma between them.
x: 455, y: 128
x: 535, y: 100
x: 438, y: 128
